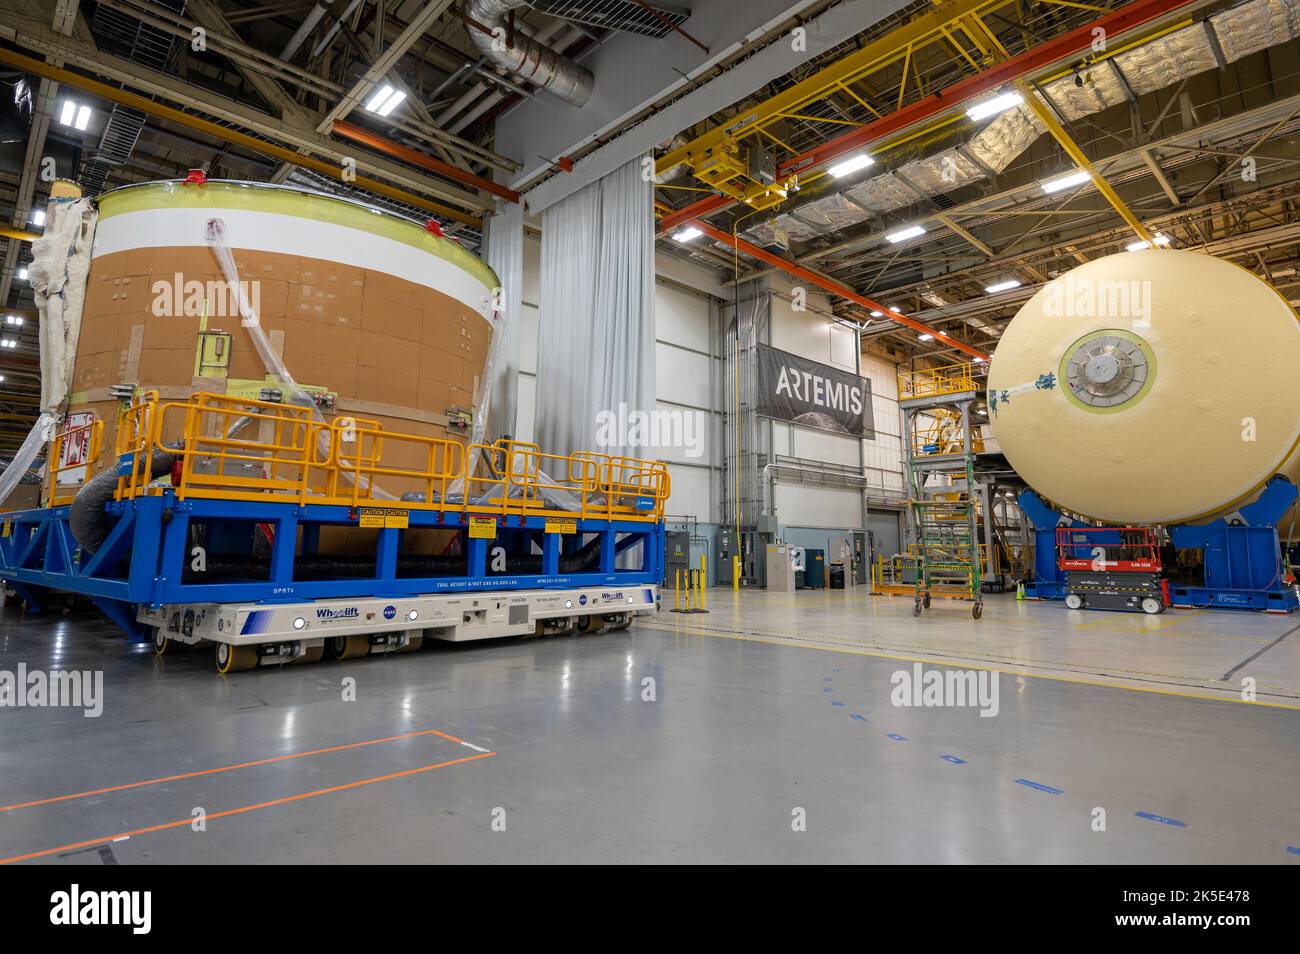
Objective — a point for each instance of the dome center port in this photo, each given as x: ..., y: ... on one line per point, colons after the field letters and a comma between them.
x: 1105, y: 370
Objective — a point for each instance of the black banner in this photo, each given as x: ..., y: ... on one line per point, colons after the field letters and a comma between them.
x: 803, y: 392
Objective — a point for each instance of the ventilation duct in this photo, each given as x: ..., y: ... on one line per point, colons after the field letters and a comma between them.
x: 527, y: 60
x: 1238, y: 31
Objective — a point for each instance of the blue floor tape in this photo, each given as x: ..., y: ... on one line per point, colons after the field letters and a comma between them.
x: 953, y: 759
x: 898, y: 738
x: 1039, y: 786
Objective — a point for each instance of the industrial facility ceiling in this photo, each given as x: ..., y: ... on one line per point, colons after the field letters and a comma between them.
x: 1167, y: 113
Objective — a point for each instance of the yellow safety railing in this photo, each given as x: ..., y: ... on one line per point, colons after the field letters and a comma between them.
x: 941, y: 434
x: 241, y: 449
x: 936, y: 382
x: 93, y: 435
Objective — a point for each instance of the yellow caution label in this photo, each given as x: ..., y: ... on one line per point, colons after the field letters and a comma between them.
x: 381, y: 518
x: 8, y: 528
x: 482, y: 528
x: 561, y: 525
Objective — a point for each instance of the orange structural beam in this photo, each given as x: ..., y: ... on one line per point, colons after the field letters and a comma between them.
x: 834, y: 287
x: 406, y: 154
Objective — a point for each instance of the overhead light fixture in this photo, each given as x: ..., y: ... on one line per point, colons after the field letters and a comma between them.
x: 22, y: 273
x: 854, y: 163
x: 1067, y: 181
x: 38, y: 217
x: 385, y: 100
x: 894, y: 309
x: 877, y: 314
x: 979, y: 360
x: 8, y: 343
x: 902, y: 235
x: 926, y: 337
x: 74, y: 115
x: 15, y: 320
x: 2, y: 379
x: 1007, y: 285
x: 1158, y: 238
x: 688, y: 234
x: 991, y: 107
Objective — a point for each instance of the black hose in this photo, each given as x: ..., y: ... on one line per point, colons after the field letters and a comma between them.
x: 86, y: 516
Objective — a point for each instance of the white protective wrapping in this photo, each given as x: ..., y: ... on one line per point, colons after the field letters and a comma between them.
x: 60, y: 263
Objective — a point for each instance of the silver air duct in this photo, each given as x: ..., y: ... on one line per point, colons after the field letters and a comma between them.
x: 528, y: 60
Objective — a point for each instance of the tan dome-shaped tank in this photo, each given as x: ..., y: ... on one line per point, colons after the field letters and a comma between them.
x: 382, y: 318
x: 1149, y: 387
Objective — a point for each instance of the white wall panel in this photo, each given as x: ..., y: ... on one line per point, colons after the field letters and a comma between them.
x: 807, y: 506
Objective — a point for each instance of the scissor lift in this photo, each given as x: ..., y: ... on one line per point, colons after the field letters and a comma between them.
x: 226, y: 549
x: 1112, y: 568
x: 938, y: 442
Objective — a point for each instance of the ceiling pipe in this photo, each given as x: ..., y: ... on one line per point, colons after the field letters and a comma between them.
x: 525, y: 58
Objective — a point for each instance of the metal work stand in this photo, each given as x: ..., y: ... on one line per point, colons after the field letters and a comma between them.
x: 937, y: 441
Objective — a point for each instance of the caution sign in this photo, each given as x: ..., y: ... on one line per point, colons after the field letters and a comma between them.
x: 381, y: 518
x: 8, y: 528
x: 561, y: 525
x: 482, y: 528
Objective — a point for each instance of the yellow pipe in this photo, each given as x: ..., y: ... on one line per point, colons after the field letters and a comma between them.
x: 19, y: 234
x: 67, y: 78
x: 1072, y: 149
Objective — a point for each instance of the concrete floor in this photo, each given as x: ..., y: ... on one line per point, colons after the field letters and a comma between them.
x: 769, y: 704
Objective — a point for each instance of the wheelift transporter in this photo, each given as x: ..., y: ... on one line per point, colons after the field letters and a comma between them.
x: 218, y: 556
x: 198, y: 493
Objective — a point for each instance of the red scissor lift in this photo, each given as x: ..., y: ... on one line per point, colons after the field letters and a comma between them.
x: 1114, y: 568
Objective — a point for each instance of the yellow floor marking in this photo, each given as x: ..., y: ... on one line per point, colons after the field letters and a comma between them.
x: 800, y: 644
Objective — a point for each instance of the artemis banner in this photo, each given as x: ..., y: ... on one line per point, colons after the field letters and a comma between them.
x: 794, y: 389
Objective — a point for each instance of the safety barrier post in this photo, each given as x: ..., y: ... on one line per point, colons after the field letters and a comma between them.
x: 699, y: 608
x: 735, y: 573
x: 677, y: 591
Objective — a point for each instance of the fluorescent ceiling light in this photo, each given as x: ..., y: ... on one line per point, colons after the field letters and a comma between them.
x: 1160, y: 239
x: 68, y: 112
x: 979, y: 360
x: 8, y: 343
x: 1007, y: 285
x: 850, y: 165
x: 22, y: 273
x: 385, y: 101
x: 925, y: 337
x: 902, y: 235
x: 687, y: 234
x: 38, y: 217
x: 1069, y: 180
x: 83, y: 118
x: 877, y: 314
x: 991, y: 107
x: 15, y: 320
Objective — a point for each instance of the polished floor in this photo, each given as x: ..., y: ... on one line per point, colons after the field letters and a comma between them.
x: 689, y: 738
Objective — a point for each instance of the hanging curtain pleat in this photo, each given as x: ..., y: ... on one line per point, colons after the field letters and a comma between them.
x: 596, y: 342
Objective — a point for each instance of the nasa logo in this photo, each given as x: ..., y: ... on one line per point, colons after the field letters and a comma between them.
x: 390, y: 612
x: 582, y: 600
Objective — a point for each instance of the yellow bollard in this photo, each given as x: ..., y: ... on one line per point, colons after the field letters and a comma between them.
x: 735, y: 573
x: 677, y: 591
x: 703, y: 571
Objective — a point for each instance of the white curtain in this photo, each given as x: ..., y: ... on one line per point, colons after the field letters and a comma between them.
x: 596, y: 341
x: 505, y: 253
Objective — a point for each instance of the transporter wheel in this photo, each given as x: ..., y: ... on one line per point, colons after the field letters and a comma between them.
x: 230, y: 658
x: 1152, y: 606
x: 925, y: 601
x: 1074, y: 601
x: 413, y: 643
x: 162, y: 644
x: 625, y: 620
x: 591, y: 625
x: 311, y: 654
x: 977, y: 610
x: 347, y: 647
x: 916, y: 607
